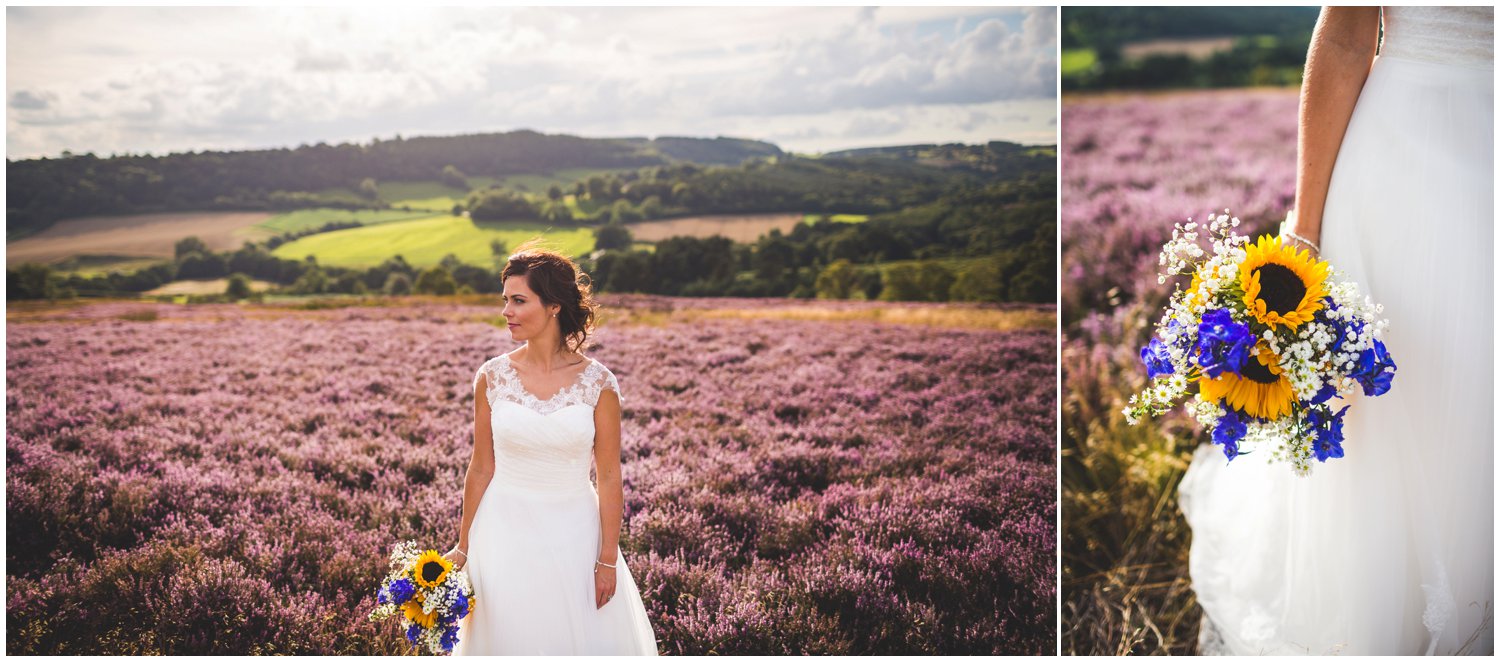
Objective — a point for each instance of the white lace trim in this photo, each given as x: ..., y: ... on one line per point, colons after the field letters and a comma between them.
x: 503, y: 382
x: 1440, y: 607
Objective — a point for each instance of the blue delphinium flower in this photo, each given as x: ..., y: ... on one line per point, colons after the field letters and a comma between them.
x: 1174, y: 329
x: 1229, y: 431
x: 1336, y: 327
x: 1323, y: 394
x: 1223, y: 344
x: 402, y: 590
x: 449, y: 639
x: 1328, y: 430
x: 412, y: 632
x: 460, y: 604
x: 1157, y: 361
x: 1374, y: 370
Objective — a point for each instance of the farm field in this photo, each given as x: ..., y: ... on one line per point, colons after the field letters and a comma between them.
x: 140, y: 235
x: 228, y: 479
x: 88, y: 266
x: 1132, y: 165
x: 424, y: 242
x: 1196, y: 48
x: 209, y: 286
x: 743, y: 228
x: 307, y: 219
x: 537, y: 184
x: 426, y: 196
x: 836, y: 218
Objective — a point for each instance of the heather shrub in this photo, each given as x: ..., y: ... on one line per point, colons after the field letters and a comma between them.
x: 1131, y: 168
x: 228, y: 480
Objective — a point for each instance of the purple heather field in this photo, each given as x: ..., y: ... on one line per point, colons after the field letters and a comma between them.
x: 229, y: 479
x: 1132, y: 166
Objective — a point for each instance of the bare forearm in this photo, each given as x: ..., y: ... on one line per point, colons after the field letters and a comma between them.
x: 1338, y: 62
x: 476, y: 480
x: 611, y: 510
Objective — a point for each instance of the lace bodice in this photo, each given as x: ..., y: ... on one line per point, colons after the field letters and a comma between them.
x: 1463, y: 36
x: 505, y: 384
x: 543, y: 447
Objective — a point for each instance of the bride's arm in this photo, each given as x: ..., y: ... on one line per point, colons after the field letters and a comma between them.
x: 481, y: 470
x: 611, y: 493
x: 1338, y: 61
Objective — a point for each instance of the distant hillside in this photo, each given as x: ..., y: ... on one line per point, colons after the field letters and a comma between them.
x: 41, y: 191
x: 708, y: 151
x: 996, y: 159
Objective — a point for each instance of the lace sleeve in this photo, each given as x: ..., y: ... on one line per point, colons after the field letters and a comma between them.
x: 600, y: 381
x: 487, y: 371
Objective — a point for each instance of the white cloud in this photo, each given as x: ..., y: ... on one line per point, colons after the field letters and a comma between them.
x: 164, y: 79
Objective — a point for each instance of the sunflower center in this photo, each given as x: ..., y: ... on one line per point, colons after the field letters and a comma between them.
x: 1255, y: 372
x: 1280, y: 288
x: 431, y: 571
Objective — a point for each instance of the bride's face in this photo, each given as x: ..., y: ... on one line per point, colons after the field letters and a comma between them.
x: 525, y: 314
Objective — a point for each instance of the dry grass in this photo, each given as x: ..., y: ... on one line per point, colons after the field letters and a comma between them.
x: 214, y: 286
x: 657, y: 311
x: 614, y: 310
x: 1125, y: 585
x: 952, y: 318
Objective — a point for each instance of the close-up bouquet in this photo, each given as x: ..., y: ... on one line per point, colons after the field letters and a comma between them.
x: 1263, y: 339
x: 428, y: 593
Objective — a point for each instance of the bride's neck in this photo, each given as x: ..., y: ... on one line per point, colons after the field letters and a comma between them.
x: 546, y: 356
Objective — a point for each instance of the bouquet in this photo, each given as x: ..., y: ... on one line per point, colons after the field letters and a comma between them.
x: 1268, y: 339
x: 428, y: 593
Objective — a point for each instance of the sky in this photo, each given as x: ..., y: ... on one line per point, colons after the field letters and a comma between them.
x: 175, y: 79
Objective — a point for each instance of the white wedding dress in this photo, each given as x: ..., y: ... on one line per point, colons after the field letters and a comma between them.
x: 536, y: 534
x: 1390, y: 549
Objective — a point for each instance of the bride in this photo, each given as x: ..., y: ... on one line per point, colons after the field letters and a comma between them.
x: 1390, y: 549
x: 538, y: 542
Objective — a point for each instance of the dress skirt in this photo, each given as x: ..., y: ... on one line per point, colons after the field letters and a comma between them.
x: 531, y: 560
x: 1390, y: 549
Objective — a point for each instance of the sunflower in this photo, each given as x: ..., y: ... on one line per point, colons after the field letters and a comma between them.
x: 1283, y: 286
x: 431, y: 569
x: 413, y: 611
x: 1260, y: 389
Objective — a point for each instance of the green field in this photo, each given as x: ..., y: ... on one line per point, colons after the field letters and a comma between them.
x: 88, y: 266
x: 836, y: 218
x: 564, y: 179
x: 341, y: 194
x: 1076, y: 61
x: 955, y: 264
x: 307, y: 219
x: 424, y: 242
x: 428, y: 195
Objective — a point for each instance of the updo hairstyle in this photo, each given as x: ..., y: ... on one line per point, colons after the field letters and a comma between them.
x: 556, y: 279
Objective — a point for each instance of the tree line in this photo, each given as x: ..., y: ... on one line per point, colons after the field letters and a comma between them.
x: 1002, y: 233
x: 41, y: 191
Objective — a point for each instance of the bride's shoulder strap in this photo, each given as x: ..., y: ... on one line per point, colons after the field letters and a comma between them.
x: 598, y: 379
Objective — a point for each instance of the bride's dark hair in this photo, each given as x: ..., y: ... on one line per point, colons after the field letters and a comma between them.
x: 557, y: 279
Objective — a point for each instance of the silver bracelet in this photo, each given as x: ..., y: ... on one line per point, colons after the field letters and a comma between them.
x: 1302, y: 239
x: 605, y: 564
x: 460, y: 552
